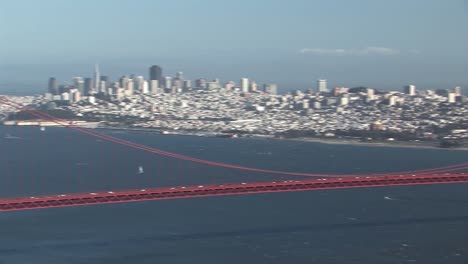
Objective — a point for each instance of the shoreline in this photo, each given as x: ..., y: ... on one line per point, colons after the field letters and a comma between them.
x: 330, y: 141
x: 395, y: 144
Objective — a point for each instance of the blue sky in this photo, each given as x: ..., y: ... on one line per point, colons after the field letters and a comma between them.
x: 378, y: 43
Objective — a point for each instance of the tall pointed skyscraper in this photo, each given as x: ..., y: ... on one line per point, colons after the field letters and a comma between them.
x: 97, y: 78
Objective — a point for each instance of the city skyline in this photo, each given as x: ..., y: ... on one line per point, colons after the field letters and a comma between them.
x: 155, y: 77
x: 376, y: 44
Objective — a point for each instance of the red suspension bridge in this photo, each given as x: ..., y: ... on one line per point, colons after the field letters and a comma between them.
x: 443, y: 175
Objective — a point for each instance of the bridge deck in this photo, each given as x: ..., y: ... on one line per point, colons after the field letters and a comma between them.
x: 65, y: 200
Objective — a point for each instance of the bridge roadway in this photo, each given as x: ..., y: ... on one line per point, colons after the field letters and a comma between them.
x: 167, y: 193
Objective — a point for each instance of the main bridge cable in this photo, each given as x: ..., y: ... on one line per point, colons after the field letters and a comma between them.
x: 67, y: 124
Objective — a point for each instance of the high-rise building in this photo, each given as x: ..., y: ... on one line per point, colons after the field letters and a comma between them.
x: 102, y: 87
x: 53, y: 86
x: 244, y: 85
x: 138, y: 82
x: 370, y: 94
x: 270, y: 88
x: 458, y: 91
x: 187, y: 85
x: 130, y: 88
x: 322, y: 86
x: 177, y: 84
x: 123, y: 81
x: 97, y: 79
x: 253, y: 86
x: 106, y: 80
x: 145, y: 87
x: 344, y: 100
x: 179, y: 75
x: 212, y: 85
x: 229, y: 85
x: 410, y: 90
x: 154, y: 86
x: 75, y: 96
x: 78, y: 83
x: 200, y: 83
x: 156, y: 74
x: 88, y: 86
x: 451, y: 97
x: 65, y: 96
x: 168, y: 83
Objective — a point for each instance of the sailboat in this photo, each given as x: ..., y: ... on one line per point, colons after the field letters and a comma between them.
x: 8, y: 136
x: 42, y: 128
x: 140, y: 170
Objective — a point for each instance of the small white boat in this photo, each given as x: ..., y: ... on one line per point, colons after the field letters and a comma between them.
x: 8, y: 136
x: 140, y: 170
x: 42, y: 128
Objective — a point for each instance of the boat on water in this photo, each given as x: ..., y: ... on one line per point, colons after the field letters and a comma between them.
x: 42, y: 128
x: 140, y: 170
x: 8, y: 136
x: 226, y: 135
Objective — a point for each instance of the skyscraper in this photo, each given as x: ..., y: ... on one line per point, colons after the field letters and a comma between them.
x: 53, y: 87
x: 270, y: 88
x: 253, y: 86
x: 123, y: 81
x: 97, y: 79
x: 322, y: 86
x: 106, y: 81
x: 200, y: 83
x: 88, y: 86
x: 168, y: 83
x: 458, y: 91
x: 138, y: 82
x: 78, y: 83
x: 410, y: 90
x: 187, y: 85
x: 156, y: 74
x: 244, y: 85
x: 154, y: 86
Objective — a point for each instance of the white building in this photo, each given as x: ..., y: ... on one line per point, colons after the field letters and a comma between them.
x: 65, y: 96
x: 244, y: 85
x: 370, y: 94
x: 97, y: 78
x: 154, y: 86
x: 322, y: 86
x: 410, y: 90
x: 145, y: 88
x: 168, y: 83
x: 452, y: 97
x: 344, y: 100
x: 458, y: 91
x: 253, y: 86
x: 270, y: 88
x: 102, y: 87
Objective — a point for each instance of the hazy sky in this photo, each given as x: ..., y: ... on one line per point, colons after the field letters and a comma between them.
x: 378, y: 43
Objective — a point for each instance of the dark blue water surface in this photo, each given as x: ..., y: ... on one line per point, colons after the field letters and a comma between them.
x: 414, y: 224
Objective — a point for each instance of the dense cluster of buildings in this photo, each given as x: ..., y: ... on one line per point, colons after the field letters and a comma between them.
x: 127, y: 86
x: 174, y: 104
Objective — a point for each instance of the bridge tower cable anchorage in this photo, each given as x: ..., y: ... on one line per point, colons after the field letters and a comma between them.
x: 67, y: 124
